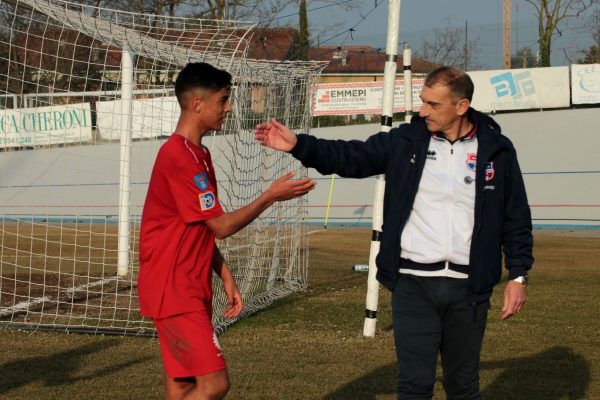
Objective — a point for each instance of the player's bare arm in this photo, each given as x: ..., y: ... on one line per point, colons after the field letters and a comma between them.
x: 275, y: 135
x: 284, y: 188
x: 234, y: 298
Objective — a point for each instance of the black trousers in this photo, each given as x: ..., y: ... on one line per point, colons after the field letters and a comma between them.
x: 432, y: 315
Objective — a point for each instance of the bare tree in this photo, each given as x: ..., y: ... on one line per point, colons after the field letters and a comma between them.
x: 523, y: 58
x: 256, y: 10
x: 592, y: 27
x: 449, y: 46
x: 549, y: 14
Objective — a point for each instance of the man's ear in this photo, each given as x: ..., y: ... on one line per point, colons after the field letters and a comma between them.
x: 462, y: 107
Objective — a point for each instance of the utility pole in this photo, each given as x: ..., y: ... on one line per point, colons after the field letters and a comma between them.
x: 466, y: 49
x: 506, y: 51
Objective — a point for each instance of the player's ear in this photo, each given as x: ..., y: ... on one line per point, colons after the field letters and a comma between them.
x: 197, y: 103
x: 198, y: 100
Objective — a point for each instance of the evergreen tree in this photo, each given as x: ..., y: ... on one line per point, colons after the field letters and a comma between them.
x: 303, y: 36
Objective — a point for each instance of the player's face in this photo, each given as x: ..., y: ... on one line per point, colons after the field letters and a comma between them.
x: 440, y: 109
x: 214, y: 109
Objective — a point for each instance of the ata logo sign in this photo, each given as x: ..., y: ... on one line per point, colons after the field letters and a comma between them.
x: 589, y: 78
x: 515, y: 85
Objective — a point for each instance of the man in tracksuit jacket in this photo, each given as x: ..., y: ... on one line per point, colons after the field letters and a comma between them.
x: 454, y: 202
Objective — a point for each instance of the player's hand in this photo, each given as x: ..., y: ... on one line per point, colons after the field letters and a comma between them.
x: 515, y: 295
x: 234, y: 301
x: 286, y: 188
x: 275, y: 135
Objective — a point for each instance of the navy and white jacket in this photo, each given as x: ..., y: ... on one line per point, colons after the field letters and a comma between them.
x: 502, y: 221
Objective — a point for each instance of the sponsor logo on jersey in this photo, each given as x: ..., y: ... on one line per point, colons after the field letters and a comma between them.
x: 201, y: 181
x: 207, y: 200
x: 489, y: 171
x: 472, y: 161
x: 431, y: 155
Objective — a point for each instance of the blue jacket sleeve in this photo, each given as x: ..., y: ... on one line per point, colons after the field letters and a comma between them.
x: 350, y: 159
x: 517, y: 239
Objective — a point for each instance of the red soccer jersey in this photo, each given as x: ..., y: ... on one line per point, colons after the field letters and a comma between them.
x: 176, y: 248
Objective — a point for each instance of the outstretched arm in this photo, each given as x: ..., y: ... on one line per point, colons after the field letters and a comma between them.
x: 284, y: 188
x: 347, y: 158
x: 275, y: 135
x: 234, y: 298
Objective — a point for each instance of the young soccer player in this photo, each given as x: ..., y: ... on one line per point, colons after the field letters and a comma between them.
x: 181, y: 219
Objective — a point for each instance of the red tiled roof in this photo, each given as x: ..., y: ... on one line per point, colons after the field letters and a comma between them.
x: 266, y: 44
x: 277, y: 44
x: 361, y: 59
x: 272, y: 44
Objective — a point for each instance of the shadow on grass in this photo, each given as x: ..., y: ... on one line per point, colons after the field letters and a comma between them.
x: 381, y: 381
x: 557, y: 373
x: 57, y: 369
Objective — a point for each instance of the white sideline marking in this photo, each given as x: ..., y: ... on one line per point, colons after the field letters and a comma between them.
x: 22, y: 306
x: 26, y: 304
x: 89, y: 285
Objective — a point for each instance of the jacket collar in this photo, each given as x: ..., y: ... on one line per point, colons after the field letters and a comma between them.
x: 488, y: 130
x: 489, y: 134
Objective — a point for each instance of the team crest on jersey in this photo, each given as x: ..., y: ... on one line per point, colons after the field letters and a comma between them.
x: 201, y: 181
x: 489, y: 171
x: 207, y: 200
x: 472, y: 161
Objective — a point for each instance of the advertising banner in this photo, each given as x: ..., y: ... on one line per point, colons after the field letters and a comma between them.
x: 150, y: 118
x: 359, y: 97
x: 45, y: 125
x: 520, y: 89
x: 585, y: 83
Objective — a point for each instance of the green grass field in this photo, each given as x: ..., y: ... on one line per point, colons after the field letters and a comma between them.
x: 310, y: 346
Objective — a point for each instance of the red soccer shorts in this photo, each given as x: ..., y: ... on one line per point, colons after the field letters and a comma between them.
x: 189, y: 345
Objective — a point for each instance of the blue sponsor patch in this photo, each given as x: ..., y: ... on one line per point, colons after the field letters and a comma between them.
x: 207, y: 200
x: 201, y: 181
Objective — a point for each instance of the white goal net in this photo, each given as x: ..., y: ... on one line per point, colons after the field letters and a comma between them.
x: 86, y: 99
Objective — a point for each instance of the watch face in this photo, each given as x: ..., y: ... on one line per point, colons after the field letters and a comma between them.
x: 523, y: 280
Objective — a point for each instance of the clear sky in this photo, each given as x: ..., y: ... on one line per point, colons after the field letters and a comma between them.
x: 418, y: 18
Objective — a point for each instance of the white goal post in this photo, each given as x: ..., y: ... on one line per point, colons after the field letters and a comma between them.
x: 86, y: 100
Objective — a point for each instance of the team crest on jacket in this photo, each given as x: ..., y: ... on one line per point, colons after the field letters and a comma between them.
x: 472, y: 161
x: 489, y: 171
x: 472, y: 165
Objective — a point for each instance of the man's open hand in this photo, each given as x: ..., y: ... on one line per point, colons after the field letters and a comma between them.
x: 275, y: 135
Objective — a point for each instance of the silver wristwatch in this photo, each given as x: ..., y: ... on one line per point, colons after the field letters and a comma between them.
x: 523, y: 280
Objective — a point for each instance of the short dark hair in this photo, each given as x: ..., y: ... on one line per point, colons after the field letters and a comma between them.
x: 460, y: 83
x: 201, y: 75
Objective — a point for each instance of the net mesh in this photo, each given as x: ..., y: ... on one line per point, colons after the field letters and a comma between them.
x: 62, y: 120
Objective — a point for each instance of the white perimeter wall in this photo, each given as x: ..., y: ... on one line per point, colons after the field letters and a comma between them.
x: 559, y: 152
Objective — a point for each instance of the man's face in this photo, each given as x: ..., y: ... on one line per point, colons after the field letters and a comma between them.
x: 441, y: 110
x: 212, y: 108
